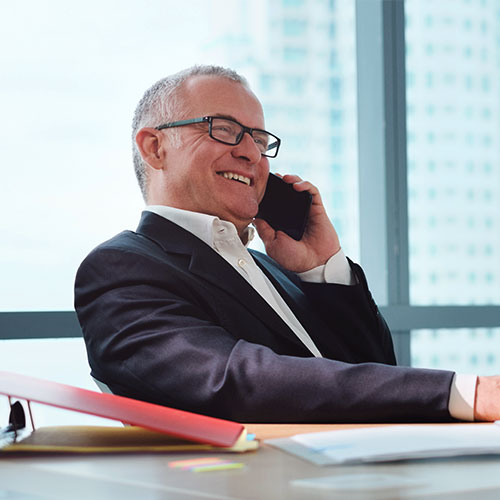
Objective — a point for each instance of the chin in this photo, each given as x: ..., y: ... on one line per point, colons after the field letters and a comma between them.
x: 241, y: 222
x: 242, y: 217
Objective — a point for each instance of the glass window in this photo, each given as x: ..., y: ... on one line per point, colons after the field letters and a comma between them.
x: 332, y: 28
x: 294, y: 27
x: 294, y: 54
x: 463, y: 350
x: 295, y: 85
x: 336, y: 117
x: 335, y: 88
x: 454, y: 207
x: 71, y: 79
x: 266, y: 82
x: 336, y: 145
x: 58, y: 360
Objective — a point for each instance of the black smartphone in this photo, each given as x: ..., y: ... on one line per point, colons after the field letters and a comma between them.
x: 285, y: 209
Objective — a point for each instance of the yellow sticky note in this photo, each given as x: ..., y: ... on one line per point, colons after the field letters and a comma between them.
x: 223, y: 466
x: 194, y: 461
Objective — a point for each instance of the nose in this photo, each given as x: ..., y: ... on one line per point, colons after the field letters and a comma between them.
x: 247, y: 149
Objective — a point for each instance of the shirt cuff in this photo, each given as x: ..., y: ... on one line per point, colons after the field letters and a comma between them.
x: 462, y: 396
x: 336, y: 271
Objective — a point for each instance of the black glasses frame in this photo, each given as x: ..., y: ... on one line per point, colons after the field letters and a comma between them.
x: 208, y: 119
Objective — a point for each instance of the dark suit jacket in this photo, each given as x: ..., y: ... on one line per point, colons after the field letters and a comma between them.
x: 167, y: 320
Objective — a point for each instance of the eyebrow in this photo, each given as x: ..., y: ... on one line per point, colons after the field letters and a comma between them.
x: 229, y: 117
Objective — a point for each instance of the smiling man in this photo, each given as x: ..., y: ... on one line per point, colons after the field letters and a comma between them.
x: 205, y: 175
x: 181, y: 313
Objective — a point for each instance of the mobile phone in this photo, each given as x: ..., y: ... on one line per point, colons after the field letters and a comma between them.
x: 283, y: 208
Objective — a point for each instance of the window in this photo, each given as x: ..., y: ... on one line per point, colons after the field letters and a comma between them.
x: 70, y: 181
x: 294, y: 27
x: 71, y: 81
x: 294, y: 55
x: 456, y: 146
x: 463, y: 350
x: 454, y: 208
x: 420, y: 208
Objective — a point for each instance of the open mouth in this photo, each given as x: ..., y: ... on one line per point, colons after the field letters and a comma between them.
x: 235, y: 177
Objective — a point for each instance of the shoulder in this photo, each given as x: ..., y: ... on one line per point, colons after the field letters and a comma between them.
x: 126, y: 242
x: 121, y: 255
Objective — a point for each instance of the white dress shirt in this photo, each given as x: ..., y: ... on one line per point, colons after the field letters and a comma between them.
x: 222, y: 237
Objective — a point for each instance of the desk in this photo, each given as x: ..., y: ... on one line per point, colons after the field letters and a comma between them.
x: 267, y: 475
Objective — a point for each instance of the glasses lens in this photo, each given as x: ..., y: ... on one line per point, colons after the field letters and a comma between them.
x: 273, y: 144
x: 230, y: 132
x: 226, y: 130
x: 262, y: 140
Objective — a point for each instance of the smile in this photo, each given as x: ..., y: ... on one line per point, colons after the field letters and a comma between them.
x: 235, y: 177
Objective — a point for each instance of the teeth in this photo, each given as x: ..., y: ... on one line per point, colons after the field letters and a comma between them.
x: 236, y: 177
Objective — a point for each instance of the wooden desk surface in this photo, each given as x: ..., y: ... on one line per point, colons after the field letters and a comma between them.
x: 266, y: 474
x: 269, y: 431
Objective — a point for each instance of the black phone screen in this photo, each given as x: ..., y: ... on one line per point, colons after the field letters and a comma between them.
x: 283, y: 208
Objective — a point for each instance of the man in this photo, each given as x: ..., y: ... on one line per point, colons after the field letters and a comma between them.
x: 181, y: 314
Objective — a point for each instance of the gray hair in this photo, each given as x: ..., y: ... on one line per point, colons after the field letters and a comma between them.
x: 163, y: 103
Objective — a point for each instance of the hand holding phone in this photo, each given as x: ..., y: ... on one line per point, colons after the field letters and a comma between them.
x: 285, y: 209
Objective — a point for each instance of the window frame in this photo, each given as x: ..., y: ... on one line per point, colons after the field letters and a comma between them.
x: 383, y: 195
x: 383, y: 189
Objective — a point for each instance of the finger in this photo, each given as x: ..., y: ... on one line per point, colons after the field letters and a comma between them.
x: 291, y: 178
x: 300, y: 185
x: 305, y: 186
x: 265, y: 231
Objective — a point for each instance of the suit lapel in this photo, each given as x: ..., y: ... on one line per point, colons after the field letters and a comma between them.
x: 292, y: 295
x: 208, y: 265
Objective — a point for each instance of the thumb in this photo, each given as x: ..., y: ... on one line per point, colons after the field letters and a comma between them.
x: 265, y: 231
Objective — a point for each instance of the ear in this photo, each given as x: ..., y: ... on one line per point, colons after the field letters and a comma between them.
x: 151, y: 146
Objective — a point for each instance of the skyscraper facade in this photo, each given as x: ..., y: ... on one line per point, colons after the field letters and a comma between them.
x: 301, y: 59
x: 300, y: 56
x: 453, y: 122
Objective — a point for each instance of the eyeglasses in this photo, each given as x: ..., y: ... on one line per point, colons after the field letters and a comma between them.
x: 229, y: 131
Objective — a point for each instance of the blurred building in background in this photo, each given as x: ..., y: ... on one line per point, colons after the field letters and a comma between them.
x: 75, y: 77
x: 453, y: 120
x: 300, y: 56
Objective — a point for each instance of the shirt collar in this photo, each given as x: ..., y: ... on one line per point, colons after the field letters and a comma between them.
x: 203, y: 226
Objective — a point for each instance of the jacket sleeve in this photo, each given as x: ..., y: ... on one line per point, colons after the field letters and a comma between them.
x: 343, y: 320
x: 150, y: 335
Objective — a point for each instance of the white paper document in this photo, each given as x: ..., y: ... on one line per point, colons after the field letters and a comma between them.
x: 396, y: 442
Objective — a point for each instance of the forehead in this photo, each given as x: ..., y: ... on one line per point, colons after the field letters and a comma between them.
x: 211, y: 95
